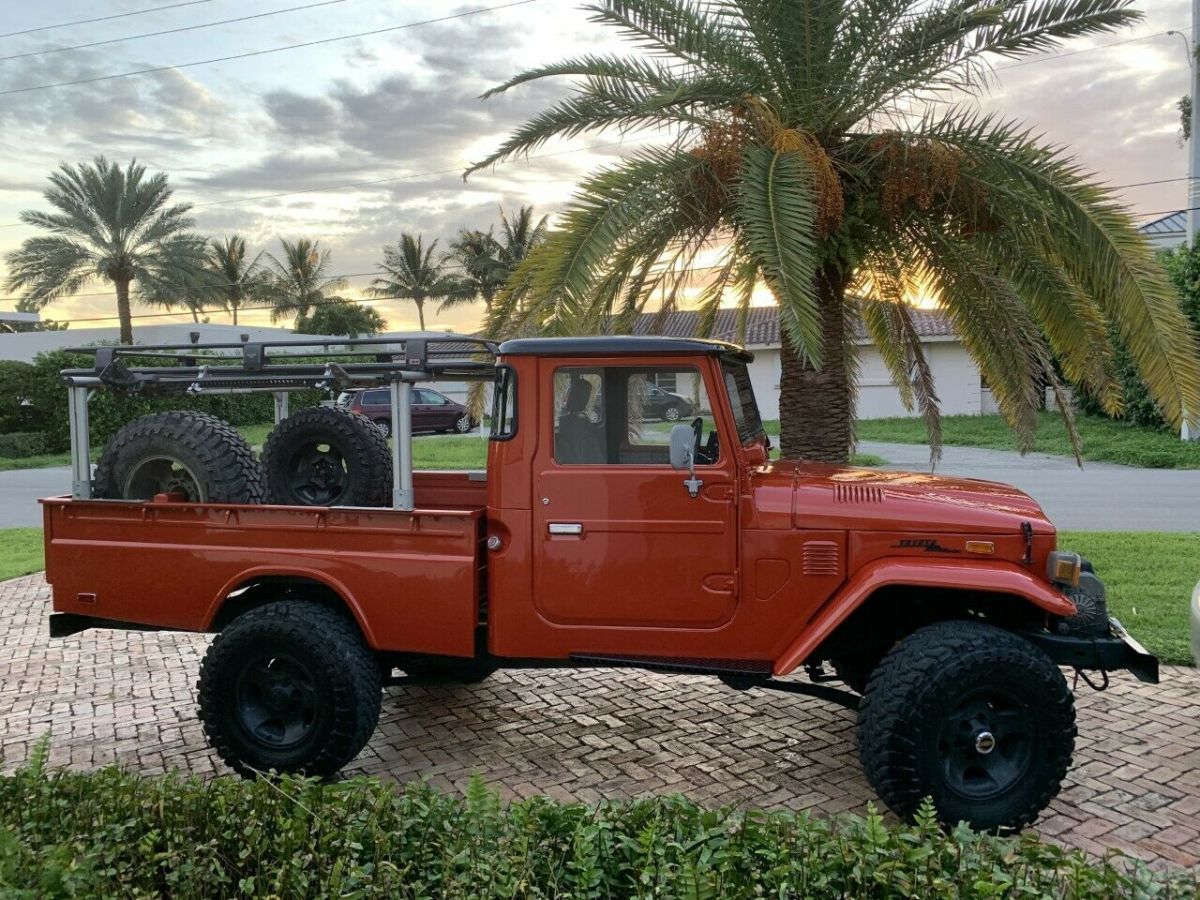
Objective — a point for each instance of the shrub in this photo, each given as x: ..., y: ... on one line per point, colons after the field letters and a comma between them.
x: 112, y: 834
x: 16, y: 413
x: 23, y: 444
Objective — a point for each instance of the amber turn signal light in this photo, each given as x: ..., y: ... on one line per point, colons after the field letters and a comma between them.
x: 985, y: 547
x: 1064, y: 568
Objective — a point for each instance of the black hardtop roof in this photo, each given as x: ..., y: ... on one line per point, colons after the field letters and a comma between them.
x: 620, y: 345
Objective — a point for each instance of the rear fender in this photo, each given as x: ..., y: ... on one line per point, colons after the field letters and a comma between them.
x: 301, y: 574
x: 993, y: 577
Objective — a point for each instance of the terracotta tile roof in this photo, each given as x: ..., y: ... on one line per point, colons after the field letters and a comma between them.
x: 762, y: 326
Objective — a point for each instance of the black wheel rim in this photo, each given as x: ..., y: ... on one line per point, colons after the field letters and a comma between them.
x: 317, y: 474
x: 276, y: 701
x: 463, y: 424
x: 986, y: 744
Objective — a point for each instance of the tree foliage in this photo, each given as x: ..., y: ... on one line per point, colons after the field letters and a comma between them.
x: 794, y: 161
x: 111, y: 225
x: 299, y: 280
x: 342, y: 317
x: 411, y: 271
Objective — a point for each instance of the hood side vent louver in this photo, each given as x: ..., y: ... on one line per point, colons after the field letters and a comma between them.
x: 821, y: 558
x: 857, y: 493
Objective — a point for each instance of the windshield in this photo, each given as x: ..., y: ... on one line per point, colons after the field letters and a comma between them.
x: 741, y: 398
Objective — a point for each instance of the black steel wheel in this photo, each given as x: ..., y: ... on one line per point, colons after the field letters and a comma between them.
x: 192, y: 454
x: 328, y: 457
x: 290, y: 687
x: 973, y: 716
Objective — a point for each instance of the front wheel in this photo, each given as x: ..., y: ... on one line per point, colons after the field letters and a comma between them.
x: 973, y: 716
x: 290, y: 686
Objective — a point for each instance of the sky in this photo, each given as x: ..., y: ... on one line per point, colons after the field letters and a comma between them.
x: 403, y: 105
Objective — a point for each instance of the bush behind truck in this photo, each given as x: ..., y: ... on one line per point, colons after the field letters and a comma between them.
x: 591, y: 540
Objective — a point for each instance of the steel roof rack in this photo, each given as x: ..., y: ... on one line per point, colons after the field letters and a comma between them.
x: 279, y: 368
x: 271, y: 366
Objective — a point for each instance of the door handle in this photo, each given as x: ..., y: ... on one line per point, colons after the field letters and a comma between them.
x: 566, y: 528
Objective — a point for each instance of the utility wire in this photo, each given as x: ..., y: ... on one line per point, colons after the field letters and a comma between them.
x: 252, y: 53
x: 1042, y: 59
x: 125, y: 15
x: 149, y: 34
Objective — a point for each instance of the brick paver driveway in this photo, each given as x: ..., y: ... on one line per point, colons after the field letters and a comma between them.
x: 126, y: 697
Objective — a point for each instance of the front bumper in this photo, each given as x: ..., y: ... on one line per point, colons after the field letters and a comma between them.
x: 1116, y: 651
x: 1195, y: 617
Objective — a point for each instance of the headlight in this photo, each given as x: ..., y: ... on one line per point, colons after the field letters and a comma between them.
x: 1064, y: 567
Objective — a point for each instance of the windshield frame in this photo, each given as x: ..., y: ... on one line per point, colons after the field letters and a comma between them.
x: 739, y: 388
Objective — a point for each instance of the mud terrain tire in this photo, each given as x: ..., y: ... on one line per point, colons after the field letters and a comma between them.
x: 290, y: 686
x: 327, y: 457
x: 181, y: 451
x: 973, y: 716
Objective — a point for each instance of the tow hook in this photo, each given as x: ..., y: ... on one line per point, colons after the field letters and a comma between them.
x: 1098, y: 688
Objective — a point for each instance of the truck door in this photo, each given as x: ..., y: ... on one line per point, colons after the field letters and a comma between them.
x: 618, y: 538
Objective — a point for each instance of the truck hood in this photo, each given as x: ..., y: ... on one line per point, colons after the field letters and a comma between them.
x: 810, y: 495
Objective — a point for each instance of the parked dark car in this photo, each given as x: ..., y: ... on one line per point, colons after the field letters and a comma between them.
x: 431, y: 411
x: 660, y: 404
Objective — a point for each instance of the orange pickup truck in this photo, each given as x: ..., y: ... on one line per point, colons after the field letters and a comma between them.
x: 600, y: 535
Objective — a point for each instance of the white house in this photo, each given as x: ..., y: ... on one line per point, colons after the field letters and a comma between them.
x: 24, y: 346
x: 959, y: 384
x: 1168, y: 232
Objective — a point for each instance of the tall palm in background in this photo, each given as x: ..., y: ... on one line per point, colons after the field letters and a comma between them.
x: 237, y: 278
x: 794, y: 161
x: 299, y: 279
x: 109, y: 224
x: 409, y: 272
x: 520, y: 235
x: 481, y: 275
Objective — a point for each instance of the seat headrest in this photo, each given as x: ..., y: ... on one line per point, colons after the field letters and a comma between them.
x: 579, y: 393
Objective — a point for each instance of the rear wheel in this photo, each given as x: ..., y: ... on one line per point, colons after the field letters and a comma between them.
x: 291, y: 686
x: 672, y: 413
x: 463, y: 424
x: 973, y: 716
x: 192, y: 454
x: 327, y: 457
x: 385, y: 426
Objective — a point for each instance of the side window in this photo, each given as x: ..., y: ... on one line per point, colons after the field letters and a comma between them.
x: 620, y: 415
x: 375, y: 398
x: 504, y: 405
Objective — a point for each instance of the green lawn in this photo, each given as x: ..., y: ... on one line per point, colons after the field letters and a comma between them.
x: 1103, y: 439
x: 21, y: 552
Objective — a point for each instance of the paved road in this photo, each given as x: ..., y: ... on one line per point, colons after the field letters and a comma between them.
x: 1099, y: 497
x: 129, y: 698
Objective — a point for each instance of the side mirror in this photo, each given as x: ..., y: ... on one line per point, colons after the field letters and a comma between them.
x: 683, y: 448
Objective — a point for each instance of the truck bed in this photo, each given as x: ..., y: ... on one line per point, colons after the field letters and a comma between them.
x: 414, y: 580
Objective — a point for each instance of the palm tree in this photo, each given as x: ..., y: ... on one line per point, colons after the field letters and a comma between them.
x: 521, y: 235
x: 794, y: 164
x: 237, y: 279
x: 476, y: 255
x: 300, y: 280
x: 409, y: 273
x: 112, y: 224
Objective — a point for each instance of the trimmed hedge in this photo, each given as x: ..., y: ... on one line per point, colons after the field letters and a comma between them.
x: 112, y: 834
x: 23, y: 444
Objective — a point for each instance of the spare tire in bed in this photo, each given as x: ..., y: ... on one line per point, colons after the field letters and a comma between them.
x: 328, y: 457
x: 180, y: 452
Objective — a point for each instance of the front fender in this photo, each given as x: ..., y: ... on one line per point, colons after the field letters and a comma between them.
x: 993, y: 577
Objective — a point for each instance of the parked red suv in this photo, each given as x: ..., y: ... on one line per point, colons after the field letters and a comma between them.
x: 431, y: 411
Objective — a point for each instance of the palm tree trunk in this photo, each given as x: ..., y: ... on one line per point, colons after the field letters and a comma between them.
x: 123, y: 312
x: 234, y: 306
x: 421, y: 313
x: 816, y: 408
